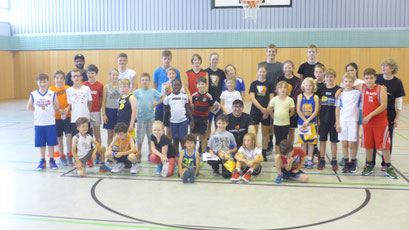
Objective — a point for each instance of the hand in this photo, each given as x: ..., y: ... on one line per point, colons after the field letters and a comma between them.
x: 395, y: 123
x: 306, y: 123
x: 366, y: 119
x: 94, y: 157
x: 249, y: 163
x: 80, y: 165
x: 265, y: 116
x: 164, y: 159
x: 65, y: 111
x: 105, y: 119
x: 338, y: 128
x: 130, y: 129
x: 295, y: 170
x: 118, y: 155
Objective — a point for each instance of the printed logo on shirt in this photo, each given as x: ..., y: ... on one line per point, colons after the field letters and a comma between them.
x: 307, y: 109
x: 43, y: 103
x: 215, y: 80
x: 122, y: 104
x: 261, y: 90
x: 78, y: 98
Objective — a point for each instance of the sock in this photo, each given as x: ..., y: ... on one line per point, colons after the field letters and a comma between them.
x: 346, y: 159
x: 354, y: 161
x: 387, y: 165
x: 69, y: 154
x: 369, y: 163
x: 310, y: 158
x: 250, y: 171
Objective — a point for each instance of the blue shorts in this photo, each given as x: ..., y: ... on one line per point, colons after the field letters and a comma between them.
x: 112, y: 115
x: 179, y: 130
x: 45, y: 136
x: 289, y: 175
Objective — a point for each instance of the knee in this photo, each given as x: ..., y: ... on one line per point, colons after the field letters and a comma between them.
x: 101, y: 149
x: 304, y: 178
x: 132, y: 158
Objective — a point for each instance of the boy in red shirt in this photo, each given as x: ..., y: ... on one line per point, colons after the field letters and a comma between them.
x: 289, y: 162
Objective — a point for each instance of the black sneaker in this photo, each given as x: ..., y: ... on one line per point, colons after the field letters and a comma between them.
x: 334, y: 164
x: 346, y: 167
x: 216, y: 173
x: 316, y: 151
x: 352, y: 167
x: 321, y: 164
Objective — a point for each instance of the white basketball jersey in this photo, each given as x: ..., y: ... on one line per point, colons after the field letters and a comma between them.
x: 44, y: 113
x: 84, y: 145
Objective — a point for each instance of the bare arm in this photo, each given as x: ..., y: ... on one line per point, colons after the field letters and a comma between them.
x: 132, y: 100
x: 104, y: 101
x: 155, y: 85
x: 30, y: 105
x: 135, y: 83
x: 338, y: 124
x: 223, y: 107
x: 240, y: 157
x: 300, y: 114
x: 292, y: 111
x: 74, y: 152
x: 197, y: 163
x: 160, y: 101
x: 255, y: 103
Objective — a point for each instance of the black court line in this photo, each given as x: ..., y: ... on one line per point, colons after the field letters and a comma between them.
x: 94, y: 197
x: 401, y: 174
x: 70, y: 218
x: 335, y: 171
x: 68, y: 172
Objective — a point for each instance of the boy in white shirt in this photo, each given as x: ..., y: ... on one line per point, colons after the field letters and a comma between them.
x: 125, y: 73
x: 229, y: 95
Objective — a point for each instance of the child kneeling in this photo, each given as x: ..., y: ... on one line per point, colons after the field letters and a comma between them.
x: 289, y: 162
x: 249, y: 158
x: 189, y: 160
x: 163, y: 152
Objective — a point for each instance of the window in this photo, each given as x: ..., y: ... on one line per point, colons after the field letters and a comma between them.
x: 4, y: 11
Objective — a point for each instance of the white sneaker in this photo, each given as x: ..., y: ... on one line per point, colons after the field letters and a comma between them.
x: 134, y: 169
x: 164, y: 172
x: 118, y: 167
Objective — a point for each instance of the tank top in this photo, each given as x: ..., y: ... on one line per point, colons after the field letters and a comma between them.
x: 84, y: 145
x: 307, y: 108
x: 189, y: 161
x: 124, y: 110
x: 124, y: 146
x: 113, y: 94
x: 44, y: 113
x: 371, y: 101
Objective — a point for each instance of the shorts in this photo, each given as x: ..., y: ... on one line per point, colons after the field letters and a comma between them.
x: 281, y: 133
x: 376, y: 136
x: 325, y: 129
x: 45, y: 136
x: 258, y: 118
x: 63, y: 126
x: 200, y: 125
x: 123, y: 159
x: 302, y: 138
x: 178, y: 130
x: 163, y: 116
x: 289, y: 175
x: 112, y: 116
x: 255, y: 172
x: 74, y: 129
x: 294, y: 121
x: 349, y: 131
x: 144, y: 127
x: 95, y: 118
x: 87, y: 157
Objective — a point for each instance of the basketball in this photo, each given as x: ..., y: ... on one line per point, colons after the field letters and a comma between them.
x: 216, y: 108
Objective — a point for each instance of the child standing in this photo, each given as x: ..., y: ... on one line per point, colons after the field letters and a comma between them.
x: 162, y: 150
x: 319, y: 74
x: 83, y: 149
x: 281, y: 108
x: 230, y: 71
x: 193, y: 74
x: 230, y: 95
x: 189, y: 160
x: 42, y: 102
x: 289, y: 162
x: 249, y: 158
x: 307, y: 69
x: 307, y: 110
x: 127, y: 107
x: 125, y: 73
x: 110, y: 99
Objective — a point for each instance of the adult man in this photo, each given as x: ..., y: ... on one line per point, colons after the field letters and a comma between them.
x: 239, y: 123
x: 79, y: 62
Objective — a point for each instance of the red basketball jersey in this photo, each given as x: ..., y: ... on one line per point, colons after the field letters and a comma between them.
x: 371, y: 99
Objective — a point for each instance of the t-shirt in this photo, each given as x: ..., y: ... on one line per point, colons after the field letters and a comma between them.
x: 274, y: 70
x: 320, y: 85
x: 125, y: 109
x: 124, y: 145
x: 229, y: 97
x: 160, y: 77
x: 394, y: 89
x: 294, y: 85
x: 192, y: 77
x: 164, y: 141
x: 177, y: 104
x: 221, y: 141
x: 145, y: 100
x: 44, y: 113
x: 371, y: 99
x: 97, y: 90
x: 328, y: 101
x: 113, y: 95
x: 201, y: 104
x: 349, y: 103
x: 307, y: 70
x: 84, y: 144
x: 239, y: 85
x: 128, y: 74
x: 239, y: 126
x: 215, y: 81
x: 262, y: 91
x: 250, y: 154
x: 298, y: 154
x: 62, y: 99
x: 69, y: 82
x: 78, y: 99
x: 282, y: 110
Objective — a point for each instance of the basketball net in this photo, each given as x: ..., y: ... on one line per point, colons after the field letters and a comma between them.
x: 251, y: 8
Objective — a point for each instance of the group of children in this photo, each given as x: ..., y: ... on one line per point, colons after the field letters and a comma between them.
x: 313, y: 105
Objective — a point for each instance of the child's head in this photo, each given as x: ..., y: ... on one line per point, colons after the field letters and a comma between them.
x: 113, y: 75
x: 59, y: 78
x: 288, y: 68
x: 82, y: 125
x: 370, y: 77
x: 189, y: 141
x: 271, y: 51
x: 389, y: 66
x: 282, y: 88
x: 171, y: 73
x: 348, y: 80
x: 122, y: 60
x: 196, y: 60
x: 124, y: 86
x: 157, y: 128
x: 214, y: 59
x: 249, y: 141
x: 76, y: 76
x: 121, y: 130
x: 319, y: 71
x: 352, y: 68
x: 308, y: 85
x: 231, y: 83
x: 145, y: 80
x: 42, y: 81
x: 92, y: 71
x: 312, y: 52
x: 330, y: 76
x: 176, y: 85
x: 261, y: 72
x: 222, y: 121
x: 230, y: 70
x: 201, y: 83
x: 166, y: 57
x: 286, y: 148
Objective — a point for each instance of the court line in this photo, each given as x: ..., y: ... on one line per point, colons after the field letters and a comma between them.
x: 339, y: 179
x: 67, y: 172
x: 396, y: 169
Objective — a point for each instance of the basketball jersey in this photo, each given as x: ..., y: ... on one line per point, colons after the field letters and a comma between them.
x: 44, y: 113
x: 124, y: 110
x: 62, y: 99
x: 84, y: 145
x: 307, y: 108
x: 371, y: 101
x: 124, y: 145
x: 189, y: 161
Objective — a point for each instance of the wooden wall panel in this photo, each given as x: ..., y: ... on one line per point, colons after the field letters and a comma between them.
x: 27, y: 64
x: 6, y: 75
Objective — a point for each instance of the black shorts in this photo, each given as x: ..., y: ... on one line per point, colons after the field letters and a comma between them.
x: 258, y: 118
x: 289, y: 175
x: 326, y: 129
x: 294, y: 121
x: 163, y: 116
x: 123, y: 159
x: 255, y: 172
x: 200, y: 125
x: 63, y: 126
x: 281, y: 133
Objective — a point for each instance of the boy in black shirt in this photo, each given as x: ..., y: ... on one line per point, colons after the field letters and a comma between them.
x: 307, y: 69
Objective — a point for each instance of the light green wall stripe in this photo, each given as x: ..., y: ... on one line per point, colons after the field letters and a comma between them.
x: 5, y: 43
x: 395, y: 38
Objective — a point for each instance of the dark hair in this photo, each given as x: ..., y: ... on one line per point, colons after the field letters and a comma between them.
x: 167, y: 53
x: 189, y: 137
x: 175, y: 80
x: 369, y: 71
x: 201, y: 79
x: 222, y: 117
x: 124, y: 55
x: 59, y: 72
x: 42, y: 77
x: 286, y: 147
x: 321, y: 66
x: 353, y: 64
x: 92, y: 68
x: 121, y: 127
x: 198, y: 57
x: 145, y: 75
x: 238, y: 102
x: 81, y: 120
x: 79, y: 56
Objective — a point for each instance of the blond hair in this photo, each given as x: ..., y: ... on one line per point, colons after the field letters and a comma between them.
x: 350, y: 76
x: 233, y: 79
x: 282, y: 83
x: 253, y: 139
x: 392, y: 64
x: 272, y: 46
x: 171, y: 69
x: 331, y: 72
x: 311, y: 81
x: 312, y: 47
x: 158, y: 123
x: 125, y: 82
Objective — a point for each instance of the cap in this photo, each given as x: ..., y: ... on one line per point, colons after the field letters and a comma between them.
x: 238, y: 102
x: 79, y: 56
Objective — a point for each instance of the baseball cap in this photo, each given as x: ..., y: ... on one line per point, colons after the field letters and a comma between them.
x: 79, y: 56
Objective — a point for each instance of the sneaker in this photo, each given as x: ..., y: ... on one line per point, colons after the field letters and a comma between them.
x: 192, y: 175
x: 63, y: 161
x: 158, y: 169
x: 53, y: 165
x: 367, y: 170
x: 41, y: 165
x: 383, y: 168
x: 346, y: 167
x: 90, y: 164
x: 391, y: 173
x: 246, y: 177
x: 134, y: 169
x: 279, y: 179
x: 140, y: 158
x: 342, y: 162
x: 352, y: 167
x: 321, y: 164
x: 309, y: 164
x: 305, y: 164
x: 186, y: 176
x: 118, y: 167
x: 236, y: 176
x: 164, y: 171
x: 98, y: 160
x: 216, y: 173
x: 334, y: 164
x: 104, y: 168
x: 70, y: 161
x: 316, y: 151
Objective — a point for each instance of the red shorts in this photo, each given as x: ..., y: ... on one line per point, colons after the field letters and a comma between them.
x: 376, y: 136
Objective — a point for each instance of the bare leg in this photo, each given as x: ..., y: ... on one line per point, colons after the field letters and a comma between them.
x: 97, y: 133
x: 101, y: 151
x: 310, y: 150
x: 110, y: 136
x: 42, y: 152
x: 61, y: 145
x: 334, y: 149
x: 345, y: 149
x: 291, y: 136
x: 386, y: 155
x: 266, y: 135
x: 68, y: 140
x: 168, y: 133
x: 352, y: 149
x: 323, y: 148
x: 203, y: 140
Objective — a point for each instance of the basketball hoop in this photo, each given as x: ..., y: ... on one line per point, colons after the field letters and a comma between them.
x: 251, y: 8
